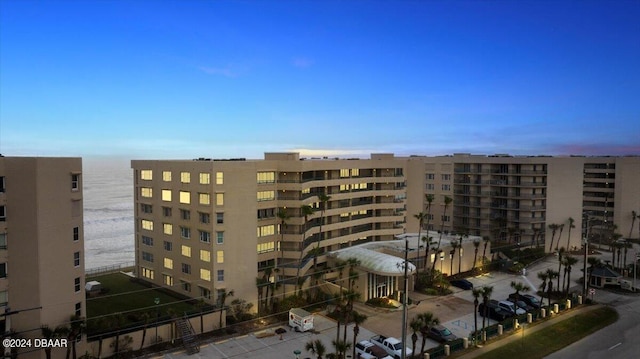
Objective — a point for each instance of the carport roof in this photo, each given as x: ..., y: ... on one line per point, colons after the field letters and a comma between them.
x: 373, y: 261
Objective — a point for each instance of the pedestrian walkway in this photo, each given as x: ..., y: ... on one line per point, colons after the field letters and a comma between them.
x: 532, y: 328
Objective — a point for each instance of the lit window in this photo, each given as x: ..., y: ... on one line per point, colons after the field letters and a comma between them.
x: 146, y: 175
x: 220, y: 275
x: 166, y: 176
x: 219, y: 199
x: 344, y: 172
x: 266, y: 195
x: 168, y: 263
x: 204, y: 198
x: 205, y: 178
x: 146, y: 272
x: 220, y: 237
x: 76, y: 259
x: 168, y: 280
x: 185, y: 177
x: 355, y: 172
x: 205, y: 236
x: 220, y: 257
x: 185, y: 197
x: 186, y: 251
x: 185, y: 232
x: 266, y: 247
x: 166, y: 195
x: 75, y: 182
x: 167, y: 228
x: 219, y: 178
x: 205, y: 256
x: 147, y: 224
x: 266, y: 177
x: 205, y: 274
x: 263, y: 231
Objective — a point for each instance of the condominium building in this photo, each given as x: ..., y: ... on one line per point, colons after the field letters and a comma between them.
x: 41, y: 245
x: 205, y: 225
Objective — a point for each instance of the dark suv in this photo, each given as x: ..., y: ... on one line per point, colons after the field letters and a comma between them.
x: 528, y: 299
x: 494, y: 311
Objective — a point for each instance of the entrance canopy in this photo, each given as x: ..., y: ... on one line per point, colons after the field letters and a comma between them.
x: 373, y: 261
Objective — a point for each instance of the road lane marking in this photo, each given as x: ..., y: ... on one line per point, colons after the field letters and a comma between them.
x: 615, y: 346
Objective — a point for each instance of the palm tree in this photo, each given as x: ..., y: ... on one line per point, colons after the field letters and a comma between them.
x: 486, y: 296
x: 428, y: 320
x: 571, y: 225
x: 306, y: 211
x: 634, y: 216
x: 543, y: 286
x: 283, y: 216
x: 561, y: 228
x: 341, y: 347
x: 223, y: 294
x: 625, y: 245
x: 427, y: 245
x: 568, y: 264
x: 340, y: 266
x: 560, y: 253
x: 324, y: 200
x: 75, y: 329
x: 477, y: 293
x: 420, y: 217
x: 415, y: 325
x: 486, y: 240
x: 429, y: 198
x: 145, y: 320
x: 518, y: 287
x: 50, y: 334
x: 357, y: 320
x: 553, y: 227
x: 476, y: 246
x: 454, y: 246
x: 316, y: 347
x: 447, y: 202
x: 552, y: 275
x: 261, y: 283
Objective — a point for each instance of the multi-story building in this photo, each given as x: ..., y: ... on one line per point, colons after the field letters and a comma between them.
x: 203, y: 226
x: 207, y: 225
x: 41, y: 245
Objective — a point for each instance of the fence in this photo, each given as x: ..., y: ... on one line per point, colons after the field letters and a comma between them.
x: 108, y: 269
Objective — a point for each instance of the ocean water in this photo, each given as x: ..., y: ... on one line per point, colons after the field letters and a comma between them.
x: 108, y: 212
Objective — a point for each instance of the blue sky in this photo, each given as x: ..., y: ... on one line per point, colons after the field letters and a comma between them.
x: 183, y: 79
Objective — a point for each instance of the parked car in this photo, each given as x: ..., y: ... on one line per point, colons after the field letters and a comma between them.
x: 462, y: 284
x: 441, y: 333
x: 521, y: 304
x: 367, y: 350
x: 493, y: 311
x: 531, y: 300
x: 510, y: 307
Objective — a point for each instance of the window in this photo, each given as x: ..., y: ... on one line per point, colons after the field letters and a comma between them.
x: 168, y: 263
x: 219, y: 218
x: 266, y: 177
x: 219, y: 178
x: 204, y: 198
x: 3, y: 241
x: 220, y: 275
x: 75, y: 182
x: 146, y: 175
x: 445, y: 218
x: 205, y: 256
x: 76, y: 259
x: 3, y: 213
x: 185, y: 177
x: 186, y: 286
x: 3, y: 270
x: 166, y: 176
x: 266, y: 196
x: 185, y: 214
x: 168, y: 280
x: 147, y: 241
x: 219, y: 199
x: 186, y: 251
x: 205, y: 178
x: 185, y: 232
x: 2, y: 184
x: 204, y: 217
x: 76, y: 284
x: 205, y: 274
x: 186, y: 268
x: 263, y: 231
x: 146, y: 208
x: 166, y: 211
x: 205, y: 236
x: 431, y: 176
x: 147, y: 224
x: 167, y: 228
x: 76, y: 234
x: 220, y: 237
x: 205, y: 293
x: 78, y: 308
x: 266, y: 213
x: 168, y: 246
x: 446, y: 177
x: 147, y: 273
x: 185, y: 197
x: 446, y: 187
x: 166, y: 195
x: 220, y: 257
x: 266, y: 247
x: 146, y: 256
x: 431, y: 187
x: 146, y: 192
x: 344, y: 172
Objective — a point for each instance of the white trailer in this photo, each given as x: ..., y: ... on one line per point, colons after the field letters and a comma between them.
x: 300, y: 320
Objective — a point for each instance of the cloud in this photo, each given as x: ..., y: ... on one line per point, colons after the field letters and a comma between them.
x: 302, y: 62
x: 224, y: 71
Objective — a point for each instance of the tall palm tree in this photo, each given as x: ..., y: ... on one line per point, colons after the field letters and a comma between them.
x: 518, y: 287
x: 51, y: 334
x: 486, y: 240
x: 357, y: 320
x: 561, y: 228
x: 568, y: 265
x: 341, y: 348
x: 223, y: 294
x: 427, y: 243
x: 340, y: 265
x: 571, y: 225
x: 146, y: 317
x: 315, y: 347
x: 552, y: 275
x: 625, y: 245
x: 553, y: 227
x: 261, y: 283
x: 324, y: 201
x: 447, y: 202
x: 477, y: 293
x: 634, y: 216
x: 283, y: 216
x: 429, y: 198
x: 305, y: 211
x: 351, y: 294
x: 543, y: 286
x: 560, y: 254
x: 428, y: 320
x: 415, y: 325
x: 486, y: 296
x: 420, y: 217
x: 476, y: 246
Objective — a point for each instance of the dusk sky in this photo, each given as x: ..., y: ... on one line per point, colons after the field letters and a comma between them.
x: 185, y: 79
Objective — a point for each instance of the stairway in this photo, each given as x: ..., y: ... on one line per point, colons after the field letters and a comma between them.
x: 189, y: 339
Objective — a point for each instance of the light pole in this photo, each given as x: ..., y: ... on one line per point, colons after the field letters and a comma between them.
x: 156, y: 301
x: 404, y: 299
x: 585, y: 286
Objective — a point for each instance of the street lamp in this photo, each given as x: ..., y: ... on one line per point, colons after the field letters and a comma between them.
x: 156, y: 301
x: 404, y: 299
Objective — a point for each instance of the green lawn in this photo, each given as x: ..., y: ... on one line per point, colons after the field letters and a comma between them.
x: 546, y: 341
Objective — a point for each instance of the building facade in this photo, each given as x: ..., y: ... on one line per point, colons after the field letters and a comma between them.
x: 41, y: 245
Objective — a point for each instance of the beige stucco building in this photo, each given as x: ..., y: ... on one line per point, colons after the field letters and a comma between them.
x: 41, y: 245
x: 205, y: 225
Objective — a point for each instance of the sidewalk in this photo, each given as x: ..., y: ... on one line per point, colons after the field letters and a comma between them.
x: 512, y: 336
